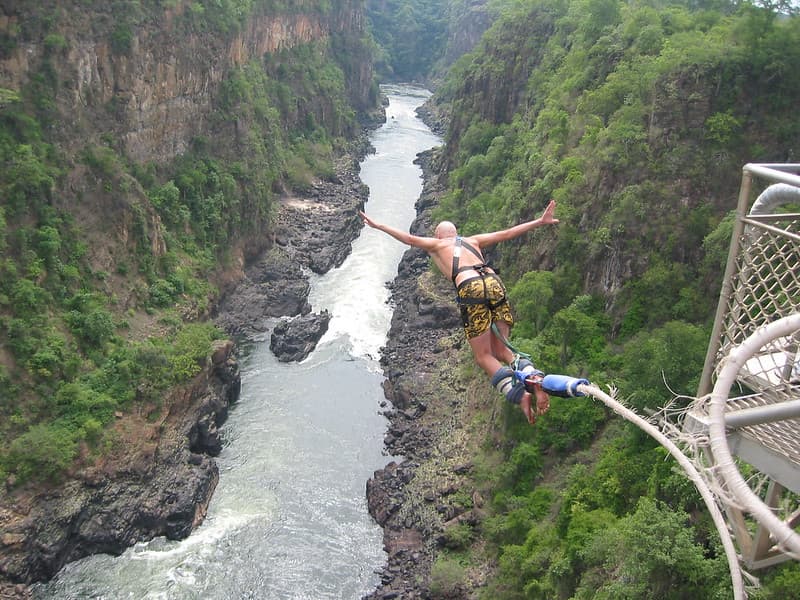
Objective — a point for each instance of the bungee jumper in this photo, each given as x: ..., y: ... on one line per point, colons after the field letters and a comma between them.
x: 485, y: 311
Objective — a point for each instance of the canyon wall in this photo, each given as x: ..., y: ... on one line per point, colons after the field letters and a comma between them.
x: 150, y: 80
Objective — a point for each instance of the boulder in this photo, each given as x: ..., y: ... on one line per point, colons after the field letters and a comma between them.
x: 294, y: 339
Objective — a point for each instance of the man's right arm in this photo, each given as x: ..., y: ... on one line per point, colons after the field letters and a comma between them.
x: 426, y: 243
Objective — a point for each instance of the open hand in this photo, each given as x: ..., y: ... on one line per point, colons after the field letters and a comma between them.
x: 366, y: 219
x: 549, y: 211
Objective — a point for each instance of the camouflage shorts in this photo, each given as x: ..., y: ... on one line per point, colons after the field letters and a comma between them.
x: 478, y: 317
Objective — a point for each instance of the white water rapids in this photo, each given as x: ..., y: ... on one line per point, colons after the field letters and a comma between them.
x: 289, y: 518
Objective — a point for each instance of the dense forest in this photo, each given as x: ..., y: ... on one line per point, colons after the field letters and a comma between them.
x: 417, y: 40
x: 635, y: 116
x: 410, y: 35
x: 110, y: 265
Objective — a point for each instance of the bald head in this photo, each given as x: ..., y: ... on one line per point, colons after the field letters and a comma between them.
x: 445, y: 229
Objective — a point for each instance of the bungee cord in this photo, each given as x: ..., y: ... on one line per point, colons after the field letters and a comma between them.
x: 589, y: 389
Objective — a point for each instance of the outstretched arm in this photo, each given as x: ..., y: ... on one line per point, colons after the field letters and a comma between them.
x: 426, y: 243
x: 547, y: 218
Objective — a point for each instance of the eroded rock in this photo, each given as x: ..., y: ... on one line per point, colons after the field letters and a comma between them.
x: 294, y: 339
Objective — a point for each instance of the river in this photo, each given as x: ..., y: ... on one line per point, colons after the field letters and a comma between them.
x: 288, y: 519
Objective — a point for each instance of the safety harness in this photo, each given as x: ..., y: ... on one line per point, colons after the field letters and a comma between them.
x: 481, y: 269
x: 521, y: 376
x: 510, y: 381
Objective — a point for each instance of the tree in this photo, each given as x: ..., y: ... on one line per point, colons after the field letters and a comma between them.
x: 577, y: 334
x: 27, y: 181
x: 530, y: 297
x: 660, y: 363
x: 44, y: 451
x: 651, y: 554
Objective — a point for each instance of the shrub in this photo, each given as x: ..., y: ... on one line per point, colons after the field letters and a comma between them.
x: 78, y: 403
x: 104, y: 161
x: 458, y: 537
x: 782, y: 582
x: 162, y: 293
x: 54, y: 43
x: 191, y: 348
x: 28, y: 298
x: 22, y: 337
x: 650, y: 553
x: 121, y: 39
x: 522, y: 468
x: 28, y: 180
x: 92, y: 430
x: 531, y: 297
x: 48, y: 359
x: 44, y: 451
x: 93, y: 327
x: 298, y: 173
x: 447, y: 578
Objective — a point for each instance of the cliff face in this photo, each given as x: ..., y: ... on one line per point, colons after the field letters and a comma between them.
x: 151, y: 84
x: 137, y: 84
x: 467, y: 22
x: 635, y: 131
x: 144, y: 81
x: 157, y: 483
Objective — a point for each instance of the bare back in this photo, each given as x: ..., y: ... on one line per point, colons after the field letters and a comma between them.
x: 442, y: 254
x: 441, y: 247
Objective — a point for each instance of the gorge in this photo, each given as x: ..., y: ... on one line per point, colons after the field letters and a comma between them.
x: 167, y: 163
x: 289, y: 510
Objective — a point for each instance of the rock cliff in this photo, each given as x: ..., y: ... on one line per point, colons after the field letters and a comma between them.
x: 150, y: 80
x: 146, y: 82
x: 162, y: 477
x: 433, y: 403
x: 158, y: 481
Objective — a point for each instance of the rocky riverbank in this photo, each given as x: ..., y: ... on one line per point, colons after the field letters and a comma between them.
x: 156, y: 481
x: 161, y: 476
x: 313, y: 232
x: 421, y: 499
x: 418, y: 499
x: 161, y: 485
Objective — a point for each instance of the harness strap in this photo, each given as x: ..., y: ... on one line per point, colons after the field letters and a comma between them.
x: 457, y: 257
x: 517, y: 353
x: 472, y: 249
x: 480, y: 269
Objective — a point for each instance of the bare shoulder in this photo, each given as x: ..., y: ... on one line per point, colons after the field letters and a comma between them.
x: 473, y: 240
x: 440, y: 245
x: 429, y: 244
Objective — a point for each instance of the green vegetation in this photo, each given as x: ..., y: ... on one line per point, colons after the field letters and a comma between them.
x: 447, y: 578
x: 83, y: 338
x: 228, y: 16
x: 411, y: 35
x: 81, y: 406
x: 637, y: 119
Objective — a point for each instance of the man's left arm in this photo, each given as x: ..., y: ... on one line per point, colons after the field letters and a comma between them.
x: 489, y: 239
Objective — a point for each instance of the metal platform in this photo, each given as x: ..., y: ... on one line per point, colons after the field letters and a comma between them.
x: 762, y: 411
x: 771, y: 447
